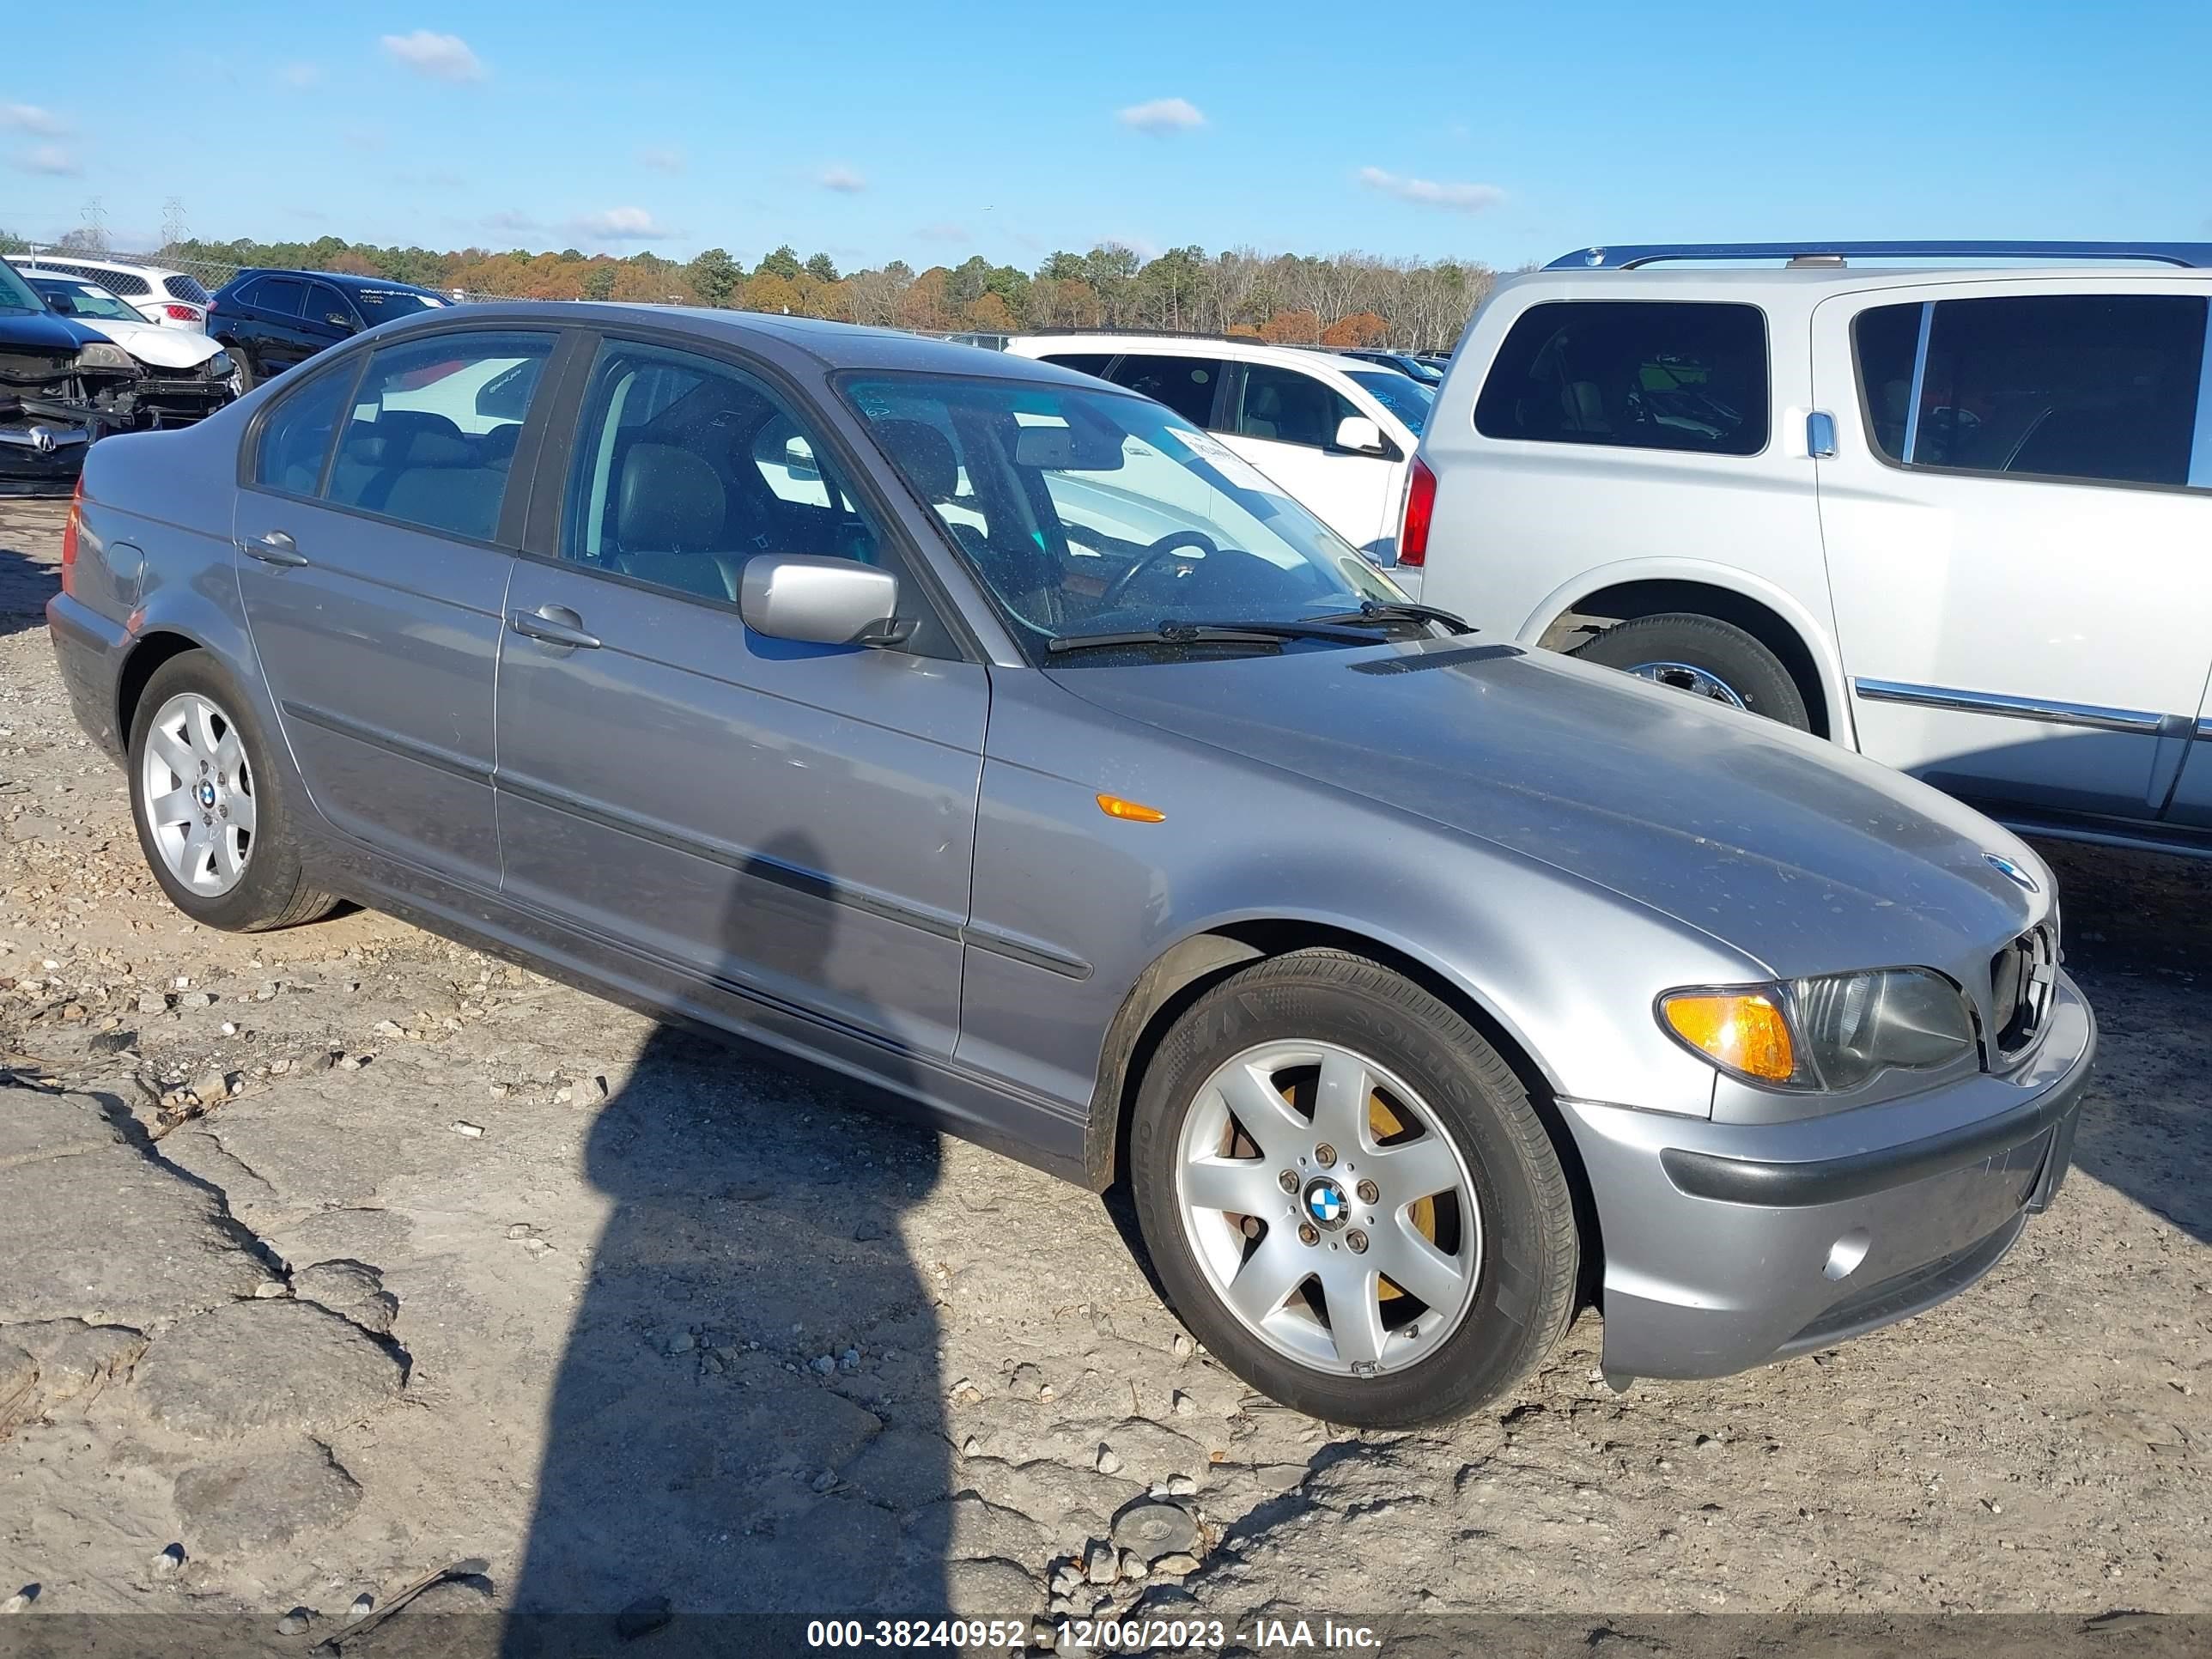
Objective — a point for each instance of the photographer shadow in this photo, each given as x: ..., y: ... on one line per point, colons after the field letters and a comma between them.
x: 748, y: 1428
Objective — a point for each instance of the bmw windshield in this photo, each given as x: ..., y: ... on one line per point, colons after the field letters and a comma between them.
x: 1085, y: 511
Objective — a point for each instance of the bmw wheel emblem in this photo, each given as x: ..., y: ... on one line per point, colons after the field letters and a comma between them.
x: 2004, y: 867
x: 1325, y: 1203
x: 206, y: 792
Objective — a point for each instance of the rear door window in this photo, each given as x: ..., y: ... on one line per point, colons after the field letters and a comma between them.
x: 434, y: 427
x: 1291, y: 408
x: 1083, y: 362
x: 1633, y: 374
x: 327, y: 305
x: 295, y: 438
x: 2099, y: 387
x: 283, y: 295
x: 1186, y: 385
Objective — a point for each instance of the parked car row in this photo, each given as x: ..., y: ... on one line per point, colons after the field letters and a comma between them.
x: 76, y: 362
x: 139, y: 347
x: 996, y: 735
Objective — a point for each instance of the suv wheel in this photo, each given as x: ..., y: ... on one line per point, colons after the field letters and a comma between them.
x: 1348, y: 1197
x: 212, y: 817
x: 1706, y: 658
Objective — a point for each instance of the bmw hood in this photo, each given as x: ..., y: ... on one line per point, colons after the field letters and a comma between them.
x: 154, y: 345
x: 1807, y: 857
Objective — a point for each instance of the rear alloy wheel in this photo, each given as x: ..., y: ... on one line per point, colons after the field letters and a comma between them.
x: 1348, y: 1196
x: 1706, y: 658
x: 212, y: 820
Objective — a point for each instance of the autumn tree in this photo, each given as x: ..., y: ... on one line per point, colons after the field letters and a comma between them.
x: 990, y: 314
x: 771, y: 293
x: 1292, y: 328
x: 1362, y: 328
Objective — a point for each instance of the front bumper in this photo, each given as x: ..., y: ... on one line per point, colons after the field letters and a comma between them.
x: 1727, y: 1245
x: 40, y: 455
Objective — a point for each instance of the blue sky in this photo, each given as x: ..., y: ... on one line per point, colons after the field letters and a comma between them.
x: 876, y: 131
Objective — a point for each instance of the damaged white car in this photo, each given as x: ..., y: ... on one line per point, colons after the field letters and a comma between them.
x: 183, y: 373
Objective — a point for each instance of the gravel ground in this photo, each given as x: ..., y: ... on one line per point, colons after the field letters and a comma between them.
x: 332, y: 1257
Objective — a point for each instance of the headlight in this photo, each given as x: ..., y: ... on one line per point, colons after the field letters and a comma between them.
x: 1830, y: 1033
x: 219, y: 365
x: 99, y: 353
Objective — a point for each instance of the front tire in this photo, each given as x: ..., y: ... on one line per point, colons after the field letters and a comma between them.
x: 213, y: 818
x: 1348, y: 1197
x: 1706, y: 658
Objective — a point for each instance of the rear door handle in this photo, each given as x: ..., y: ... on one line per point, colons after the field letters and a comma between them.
x: 556, y: 624
x: 275, y: 548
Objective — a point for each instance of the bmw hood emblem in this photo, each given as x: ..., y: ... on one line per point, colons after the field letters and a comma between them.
x: 2005, y: 867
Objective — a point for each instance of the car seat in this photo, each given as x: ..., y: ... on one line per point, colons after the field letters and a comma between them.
x: 670, y: 511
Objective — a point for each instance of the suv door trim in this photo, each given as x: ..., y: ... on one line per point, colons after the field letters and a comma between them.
x: 2090, y: 716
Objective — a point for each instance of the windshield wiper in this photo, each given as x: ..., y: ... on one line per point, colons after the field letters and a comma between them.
x: 1372, y: 613
x: 1228, y: 633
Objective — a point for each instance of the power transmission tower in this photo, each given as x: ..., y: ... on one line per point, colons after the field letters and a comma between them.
x: 95, y: 215
x: 175, y: 231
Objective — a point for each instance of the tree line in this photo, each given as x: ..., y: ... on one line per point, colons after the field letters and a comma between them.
x: 1344, y: 299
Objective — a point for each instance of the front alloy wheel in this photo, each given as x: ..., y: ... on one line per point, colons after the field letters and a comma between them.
x: 1326, y: 1207
x: 1347, y: 1195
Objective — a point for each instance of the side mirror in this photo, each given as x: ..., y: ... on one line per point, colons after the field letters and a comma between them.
x: 798, y: 458
x: 792, y: 596
x: 1359, y: 434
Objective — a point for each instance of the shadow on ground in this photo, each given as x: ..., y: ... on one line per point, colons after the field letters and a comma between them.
x: 2138, y: 938
x: 748, y: 1420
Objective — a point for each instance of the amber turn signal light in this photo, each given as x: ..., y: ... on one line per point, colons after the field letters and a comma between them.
x: 1742, y: 1031
x: 1136, y: 811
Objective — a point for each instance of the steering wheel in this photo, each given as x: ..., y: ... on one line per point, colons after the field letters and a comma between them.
x: 1151, y: 557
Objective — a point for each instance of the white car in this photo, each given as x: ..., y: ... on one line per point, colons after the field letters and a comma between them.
x: 1955, y: 515
x: 172, y: 299
x: 1335, y: 434
x: 184, y: 375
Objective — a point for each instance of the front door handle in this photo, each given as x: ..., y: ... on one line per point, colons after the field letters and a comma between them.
x: 556, y: 624
x: 275, y: 548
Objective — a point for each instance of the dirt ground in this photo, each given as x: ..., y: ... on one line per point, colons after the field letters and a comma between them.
x: 333, y: 1257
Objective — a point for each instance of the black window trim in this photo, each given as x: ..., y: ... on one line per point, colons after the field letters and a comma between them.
x: 1766, y: 358
x: 514, y: 500
x: 1881, y: 300
x: 1233, y: 369
x: 539, y: 537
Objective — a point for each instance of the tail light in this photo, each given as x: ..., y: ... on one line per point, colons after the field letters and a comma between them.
x: 183, y: 314
x: 1420, y: 508
x: 69, y: 539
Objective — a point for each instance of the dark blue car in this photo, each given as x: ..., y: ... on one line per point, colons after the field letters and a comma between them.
x: 269, y: 320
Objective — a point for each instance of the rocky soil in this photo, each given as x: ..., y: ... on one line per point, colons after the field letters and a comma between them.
x: 334, y: 1257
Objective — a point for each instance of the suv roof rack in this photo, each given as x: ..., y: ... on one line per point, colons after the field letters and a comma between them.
x: 2192, y: 256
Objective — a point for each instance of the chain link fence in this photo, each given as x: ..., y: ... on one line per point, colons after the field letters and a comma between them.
x: 211, y: 274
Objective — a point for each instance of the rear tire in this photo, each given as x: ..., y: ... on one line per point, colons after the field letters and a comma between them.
x: 1706, y: 657
x: 1501, y: 1214
x: 241, y: 884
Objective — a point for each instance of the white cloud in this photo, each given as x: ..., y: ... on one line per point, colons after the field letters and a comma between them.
x: 1427, y: 193
x: 661, y: 158
x: 440, y: 57
x: 621, y: 224
x: 505, y: 219
x: 50, y: 160
x: 1163, y: 115
x: 300, y: 77
x: 29, y: 117
x: 841, y: 179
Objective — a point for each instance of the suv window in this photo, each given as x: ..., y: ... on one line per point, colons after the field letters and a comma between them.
x: 282, y: 295
x: 296, y: 437
x: 186, y: 289
x: 420, y: 447
x: 327, y: 305
x: 1186, y: 385
x: 1290, y: 408
x: 686, y: 467
x: 1083, y: 362
x: 1641, y: 375
x: 2099, y: 387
